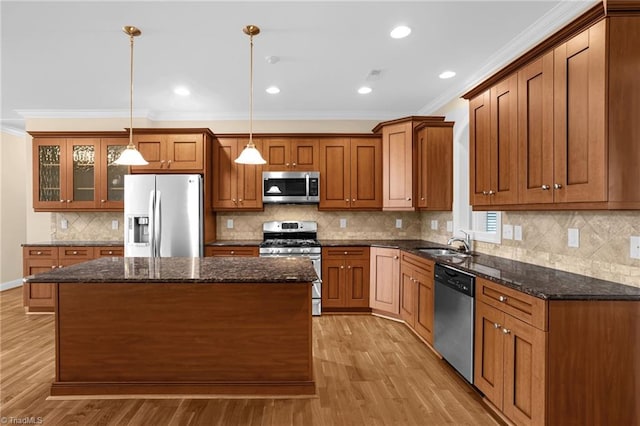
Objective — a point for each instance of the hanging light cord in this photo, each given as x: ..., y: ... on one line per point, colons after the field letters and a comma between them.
x: 251, y: 92
x: 131, y: 96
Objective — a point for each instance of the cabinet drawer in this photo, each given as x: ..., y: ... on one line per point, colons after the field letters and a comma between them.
x: 75, y: 253
x: 526, y: 308
x: 40, y: 252
x: 346, y: 252
x: 425, y: 265
x: 240, y: 251
x: 108, y: 251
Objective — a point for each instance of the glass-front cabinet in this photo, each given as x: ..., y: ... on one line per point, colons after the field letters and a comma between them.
x: 78, y: 173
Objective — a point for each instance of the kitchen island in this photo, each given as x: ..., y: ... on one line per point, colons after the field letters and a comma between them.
x: 183, y: 326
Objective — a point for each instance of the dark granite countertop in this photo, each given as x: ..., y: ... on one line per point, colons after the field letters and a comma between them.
x: 223, y: 243
x: 77, y: 243
x: 182, y: 270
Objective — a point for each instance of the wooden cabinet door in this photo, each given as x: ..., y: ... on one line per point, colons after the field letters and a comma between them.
x: 335, y: 174
x: 535, y: 131
x: 225, y: 181
x: 184, y: 152
x: 397, y: 166
x: 407, y: 295
x: 424, y: 305
x: 83, y: 159
x: 434, y: 148
x: 305, y: 154
x: 35, y: 260
x: 365, y: 174
x: 277, y: 153
x: 333, y: 283
x: 580, y: 156
x: 489, y: 353
x: 357, y: 283
x: 249, y: 180
x: 524, y: 372
x: 480, y: 149
x: 385, y: 280
x: 111, y: 181
x: 153, y: 150
x: 504, y: 142
x: 49, y: 173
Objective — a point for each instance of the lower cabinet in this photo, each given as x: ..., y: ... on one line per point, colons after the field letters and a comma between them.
x: 345, y: 278
x: 510, y: 353
x: 235, y: 251
x: 416, y: 294
x: 385, y: 281
x: 37, y: 259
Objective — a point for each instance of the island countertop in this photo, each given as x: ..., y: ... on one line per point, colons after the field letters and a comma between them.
x: 182, y: 270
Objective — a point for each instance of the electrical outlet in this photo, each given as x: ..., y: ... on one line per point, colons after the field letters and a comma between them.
x: 517, y: 233
x: 114, y: 224
x: 64, y: 224
x: 398, y: 223
x: 229, y: 223
x: 449, y: 226
x: 634, y: 252
x: 343, y: 223
x: 507, y: 232
x: 573, y: 237
x: 434, y: 225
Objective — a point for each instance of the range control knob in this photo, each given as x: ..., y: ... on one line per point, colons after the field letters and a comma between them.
x: 289, y: 250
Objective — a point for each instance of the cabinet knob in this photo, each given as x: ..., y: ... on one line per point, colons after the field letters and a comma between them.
x: 286, y: 164
x: 109, y: 252
x: 496, y: 325
x: 485, y: 193
x: 54, y: 267
x: 502, y: 298
x: 506, y: 331
x: 395, y: 257
x: 68, y: 201
x: 233, y: 252
x: 103, y: 201
x: 491, y: 192
x: 346, y: 199
x: 38, y: 253
x: 75, y: 252
x: 62, y: 201
x: 408, y: 198
x: 353, y: 200
x: 239, y: 200
x: 422, y: 199
x: 341, y: 266
x: 346, y: 252
x: 294, y: 164
x: 557, y: 185
x: 349, y: 267
x: 59, y: 266
x: 545, y: 187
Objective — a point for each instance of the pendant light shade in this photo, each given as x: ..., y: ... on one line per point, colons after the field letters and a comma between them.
x: 250, y: 154
x: 131, y: 156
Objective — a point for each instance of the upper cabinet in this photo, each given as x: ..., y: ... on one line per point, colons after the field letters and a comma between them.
x: 434, y: 152
x: 350, y: 173
x: 76, y: 171
x: 572, y: 131
x: 493, y: 145
x: 172, y: 150
x: 402, y: 161
x: 235, y: 186
x: 291, y: 154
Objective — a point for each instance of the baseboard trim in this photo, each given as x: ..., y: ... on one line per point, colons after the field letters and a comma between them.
x: 11, y: 284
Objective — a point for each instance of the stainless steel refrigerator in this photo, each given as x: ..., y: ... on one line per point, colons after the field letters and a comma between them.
x: 163, y: 215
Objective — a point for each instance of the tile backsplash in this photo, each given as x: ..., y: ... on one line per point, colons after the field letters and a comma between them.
x: 603, y: 251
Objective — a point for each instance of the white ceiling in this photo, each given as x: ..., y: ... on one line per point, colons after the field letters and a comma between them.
x: 71, y: 59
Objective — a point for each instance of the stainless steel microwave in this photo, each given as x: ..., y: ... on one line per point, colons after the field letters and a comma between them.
x: 291, y: 187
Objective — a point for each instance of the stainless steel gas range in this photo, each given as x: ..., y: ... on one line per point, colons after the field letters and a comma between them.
x: 295, y: 239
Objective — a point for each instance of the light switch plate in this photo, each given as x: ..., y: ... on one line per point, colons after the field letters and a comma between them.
x: 517, y: 233
x: 507, y: 232
x: 343, y: 223
x: 434, y: 225
x: 398, y: 223
x: 573, y: 237
x: 64, y: 224
x: 114, y: 224
x: 229, y: 223
x: 634, y: 252
x: 449, y: 226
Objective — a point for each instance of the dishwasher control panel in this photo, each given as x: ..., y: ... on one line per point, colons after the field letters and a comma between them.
x: 455, y: 279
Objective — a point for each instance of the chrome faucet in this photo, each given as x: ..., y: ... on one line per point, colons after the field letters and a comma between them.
x: 466, y: 241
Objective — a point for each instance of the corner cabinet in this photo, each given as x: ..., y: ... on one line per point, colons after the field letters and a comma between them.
x: 385, y: 281
x: 76, y: 172
x: 350, y: 173
x: 345, y: 279
x: 235, y: 186
x: 172, y: 150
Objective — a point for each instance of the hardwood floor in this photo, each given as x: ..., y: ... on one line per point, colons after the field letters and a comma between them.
x: 369, y: 371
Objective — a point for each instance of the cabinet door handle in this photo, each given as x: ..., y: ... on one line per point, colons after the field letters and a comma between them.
x: 233, y: 252
x: 557, y: 185
x: 341, y: 266
x: 491, y: 192
x: 502, y: 298
x: 545, y: 187
x: 62, y: 201
x: 103, y: 201
x: 496, y: 325
x: 422, y: 199
x: 346, y: 199
x: 54, y: 267
x: 349, y: 267
x: 506, y: 331
x: 68, y: 201
x: 74, y: 252
x: 395, y: 257
x: 109, y: 252
x: 353, y: 200
x: 408, y: 198
x: 239, y: 200
x: 38, y: 253
x: 286, y: 164
x: 294, y: 164
x: 485, y: 193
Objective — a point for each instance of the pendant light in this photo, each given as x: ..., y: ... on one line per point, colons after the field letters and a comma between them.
x: 131, y: 156
x: 250, y: 154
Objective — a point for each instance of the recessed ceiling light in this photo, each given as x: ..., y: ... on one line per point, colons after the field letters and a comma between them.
x: 272, y: 90
x: 364, y: 90
x: 447, y: 74
x: 182, y: 91
x: 400, y: 32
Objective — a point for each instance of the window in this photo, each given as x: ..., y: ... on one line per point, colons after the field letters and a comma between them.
x: 486, y: 226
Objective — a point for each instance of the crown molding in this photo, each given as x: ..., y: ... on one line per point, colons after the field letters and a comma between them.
x: 81, y: 113
x: 12, y: 130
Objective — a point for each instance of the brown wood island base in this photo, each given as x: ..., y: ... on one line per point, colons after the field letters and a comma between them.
x: 163, y: 338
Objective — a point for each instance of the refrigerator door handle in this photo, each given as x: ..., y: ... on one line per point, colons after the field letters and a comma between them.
x: 152, y: 223
x: 158, y: 224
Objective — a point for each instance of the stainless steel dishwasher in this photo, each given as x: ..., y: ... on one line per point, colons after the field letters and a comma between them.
x: 453, y: 319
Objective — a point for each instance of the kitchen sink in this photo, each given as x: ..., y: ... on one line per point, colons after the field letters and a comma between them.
x: 435, y: 251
